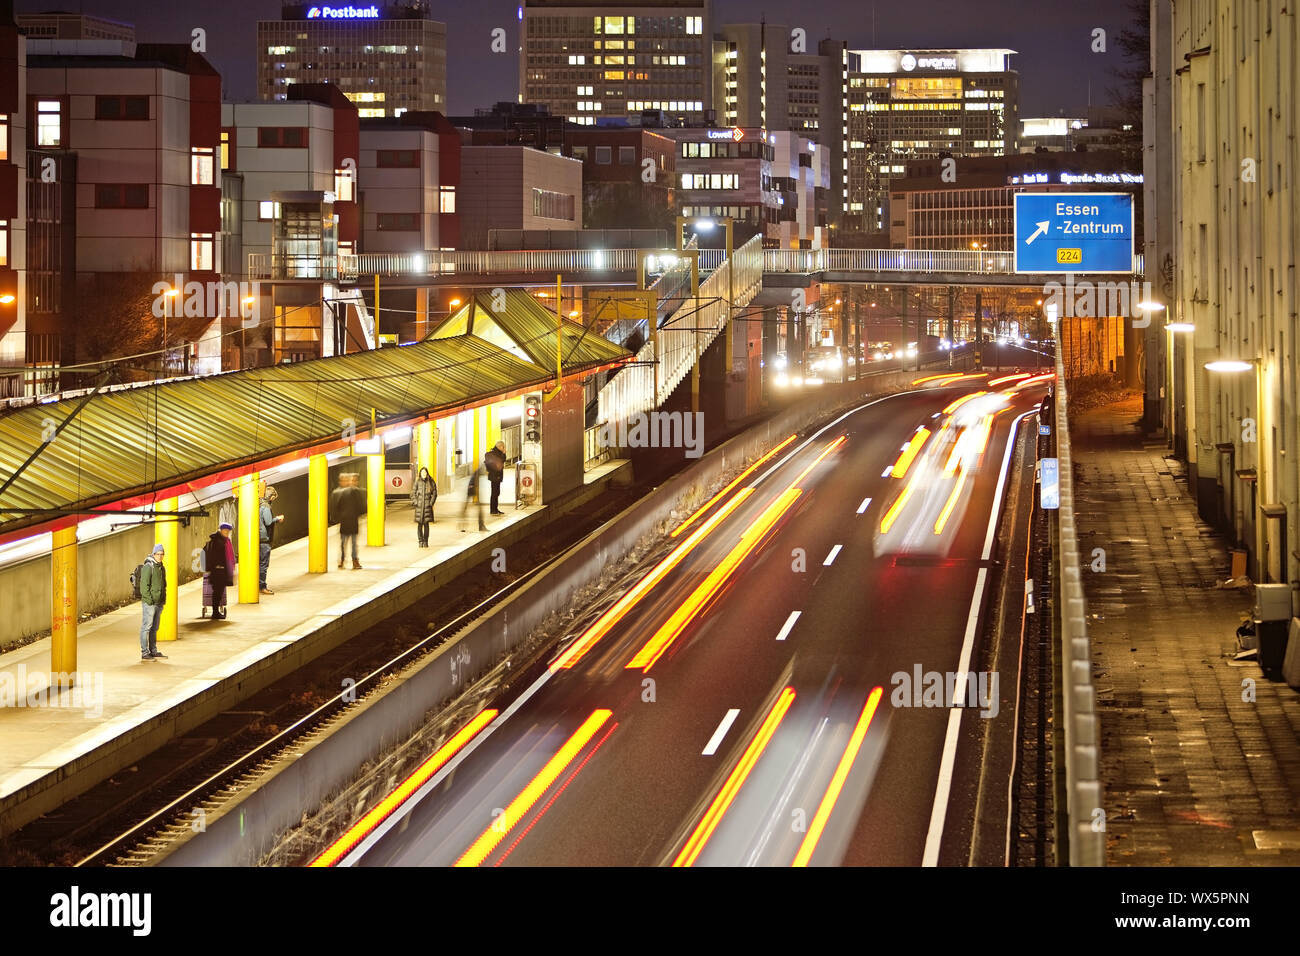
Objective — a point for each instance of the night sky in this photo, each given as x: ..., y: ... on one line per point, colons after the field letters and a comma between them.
x: 1053, y: 38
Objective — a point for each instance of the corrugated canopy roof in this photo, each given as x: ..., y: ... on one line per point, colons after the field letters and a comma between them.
x: 137, y: 441
x: 526, y: 327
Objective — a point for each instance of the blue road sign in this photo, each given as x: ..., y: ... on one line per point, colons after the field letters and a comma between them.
x: 1049, y: 482
x: 1074, y: 232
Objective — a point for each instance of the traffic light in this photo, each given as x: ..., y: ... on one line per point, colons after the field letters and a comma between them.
x: 532, y: 419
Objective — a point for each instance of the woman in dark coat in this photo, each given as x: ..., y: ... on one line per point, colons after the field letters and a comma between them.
x: 219, y: 560
x: 423, y: 495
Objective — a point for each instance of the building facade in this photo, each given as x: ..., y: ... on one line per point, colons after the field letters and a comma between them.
x: 919, y: 104
x: 514, y: 187
x: 587, y: 60
x: 387, y: 57
x: 15, y: 349
x: 1223, y: 97
x: 409, y: 175
x: 58, y: 25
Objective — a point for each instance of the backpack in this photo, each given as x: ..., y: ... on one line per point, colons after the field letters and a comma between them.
x: 135, y: 581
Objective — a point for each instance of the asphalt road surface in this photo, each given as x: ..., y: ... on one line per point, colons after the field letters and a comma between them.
x: 777, y: 691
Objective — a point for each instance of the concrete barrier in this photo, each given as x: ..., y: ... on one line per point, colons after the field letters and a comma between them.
x: 241, y: 833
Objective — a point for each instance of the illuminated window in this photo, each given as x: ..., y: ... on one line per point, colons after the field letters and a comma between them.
x: 4, y: 139
x: 447, y: 199
x: 201, y: 162
x: 201, y: 246
x: 267, y: 210
x: 49, y: 123
x: 614, y: 26
x: 4, y: 242
x: 225, y: 149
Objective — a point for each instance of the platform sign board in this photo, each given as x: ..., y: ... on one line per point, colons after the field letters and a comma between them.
x: 1049, y: 480
x: 1073, y: 232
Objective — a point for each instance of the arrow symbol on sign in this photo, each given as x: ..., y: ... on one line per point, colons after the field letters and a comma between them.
x: 1040, y: 231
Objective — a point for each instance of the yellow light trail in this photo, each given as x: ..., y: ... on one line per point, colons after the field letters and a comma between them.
x: 344, y: 844
x: 958, y: 403
x: 817, y: 461
x: 887, y: 521
x: 910, y: 451
x: 709, y: 822
x: 611, y: 617
x: 1008, y: 378
x: 936, y: 378
x: 952, y: 501
x: 739, y: 478
x: 809, y: 845
x: 497, y: 830
x: 673, y: 627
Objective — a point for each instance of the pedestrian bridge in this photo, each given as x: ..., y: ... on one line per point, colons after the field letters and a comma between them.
x: 781, y: 268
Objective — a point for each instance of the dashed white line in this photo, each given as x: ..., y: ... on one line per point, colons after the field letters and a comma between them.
x: 712, y: 747
x: 830, y: 558
x: 887, y: 471
x: 788, y: 626
x: 862, y: 508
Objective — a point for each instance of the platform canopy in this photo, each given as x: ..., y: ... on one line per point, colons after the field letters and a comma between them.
x: 130, y: 445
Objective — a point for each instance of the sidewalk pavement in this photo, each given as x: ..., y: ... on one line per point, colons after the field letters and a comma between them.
x: 1192, y: 774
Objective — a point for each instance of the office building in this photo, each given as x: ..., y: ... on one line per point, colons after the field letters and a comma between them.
x: 975, y: 209
x: 409, y: 174
x: 386, y: 57
x: 586, y: 60
x: 919, y: 104
x: 15, y: 350
x: 765, y: 76
x: 60, y: 25
x: 516, y: 188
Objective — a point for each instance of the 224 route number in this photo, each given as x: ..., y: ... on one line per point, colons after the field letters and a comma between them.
x: 1070, y: 256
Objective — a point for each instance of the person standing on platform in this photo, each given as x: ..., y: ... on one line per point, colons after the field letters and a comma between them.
x: 423, y: 497
x: 495, y: 463
x: 219, y: 559
x: 153, y: 596
x: 265, y: 534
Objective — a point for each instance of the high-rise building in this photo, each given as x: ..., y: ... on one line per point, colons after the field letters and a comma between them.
x: 587, y: 60
x: 764, y: 76
x: 387, y: 58
x: 920, y: 104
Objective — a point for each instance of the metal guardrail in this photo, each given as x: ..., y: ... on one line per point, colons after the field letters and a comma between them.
x: 570, y: 261
x: 1086, y: 815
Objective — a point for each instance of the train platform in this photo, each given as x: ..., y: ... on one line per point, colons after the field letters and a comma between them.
x: 1200, y: 754
x: 58, y: 743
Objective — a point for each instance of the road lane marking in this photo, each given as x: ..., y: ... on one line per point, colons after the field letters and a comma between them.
x: 788, y: 626
x: 520, y: 805
x: 889, y: 470
x: 862, y: 508
x: 695, y: 845
x: 737, y: 480
x: 712, y: 746
x: 830, y: 558
x: 939, y: 811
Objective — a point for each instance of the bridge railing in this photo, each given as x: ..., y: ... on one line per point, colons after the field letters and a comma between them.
x: 595, y: 261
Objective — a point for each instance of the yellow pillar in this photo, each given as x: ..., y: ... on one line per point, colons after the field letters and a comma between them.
x: 63, y: 612
x: 375, y: 500
x: 167, y: 533
x: 318, y: 526
x: 426, y: 448
x: 491, y: 429
x: 476, y: 417
x: 249, y: 503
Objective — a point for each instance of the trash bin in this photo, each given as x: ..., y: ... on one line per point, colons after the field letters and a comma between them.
x: 1272, y: 626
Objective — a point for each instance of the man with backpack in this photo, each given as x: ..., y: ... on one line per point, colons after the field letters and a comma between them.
x: 151, y: 581
x: 266, y: 523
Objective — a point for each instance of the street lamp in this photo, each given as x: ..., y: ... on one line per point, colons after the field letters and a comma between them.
x: 1231, y: 367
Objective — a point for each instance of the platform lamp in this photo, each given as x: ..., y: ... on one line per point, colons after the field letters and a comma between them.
x: 1233, y: 366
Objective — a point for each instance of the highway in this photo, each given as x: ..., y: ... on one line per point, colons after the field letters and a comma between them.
x: 749, y: 701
